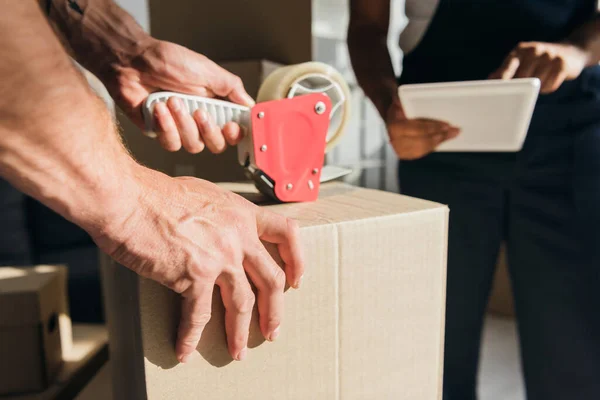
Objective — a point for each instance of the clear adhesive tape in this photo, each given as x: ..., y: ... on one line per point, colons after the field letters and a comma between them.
x: 307, y: 78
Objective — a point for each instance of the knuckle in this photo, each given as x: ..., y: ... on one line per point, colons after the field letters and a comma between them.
x: 559, y: 62
x: 200, y: 320
x: 529, y: 47
x: 237, y: 220
x: 196, y: 323
x: 245, y: 303
x: 189, y: 343
x: 180, y: 285
x: 293, y: 228
x: 237, y: 83
x: 276, y: 281
x: 546, y: 57
x: 225, y: 243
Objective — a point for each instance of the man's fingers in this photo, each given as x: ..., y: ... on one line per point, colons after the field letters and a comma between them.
x: 239, y: 95
x: 269, y: 279
x: 508, y: 68
x: 430, y: 127
x: 168, y: 136
x: 188, y: 130
x: 238, y: 300
x: 421, y: 127
x: 233, y: 133
x: 546, y: 74
x: 559, y: 79
x: 555, y: 77
x: 411, y: 148
x: 527, y: 65
x: 195, y: 314
x: 284, y: 232
x: 210, y: 132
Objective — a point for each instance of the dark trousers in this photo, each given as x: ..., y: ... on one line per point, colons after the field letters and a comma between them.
x: 544, y: 202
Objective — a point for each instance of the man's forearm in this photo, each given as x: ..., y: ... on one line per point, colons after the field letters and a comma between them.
x: 101, y: 35
x: 587, y: 38
x: 372, y: 66
x: 57, y: 140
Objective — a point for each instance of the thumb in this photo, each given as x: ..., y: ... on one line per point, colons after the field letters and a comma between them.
x: 239, y: 95
x: 229, y: 86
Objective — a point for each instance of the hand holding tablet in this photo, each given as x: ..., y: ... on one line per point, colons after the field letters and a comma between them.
x: 493, y: 115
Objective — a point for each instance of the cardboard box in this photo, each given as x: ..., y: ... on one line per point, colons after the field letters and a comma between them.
x: 367, y: 323
x: 82, y: 362
x: 228, y: 30
x: 30, y: 337
x: 213, y: 167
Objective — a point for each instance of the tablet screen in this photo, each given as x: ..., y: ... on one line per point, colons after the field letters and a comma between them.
x: 493, y: 115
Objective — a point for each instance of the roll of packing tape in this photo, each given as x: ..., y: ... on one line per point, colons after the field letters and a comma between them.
x: 312, y: 77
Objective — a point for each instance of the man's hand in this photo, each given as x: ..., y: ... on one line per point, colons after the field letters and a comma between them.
x: 552, y: 63
x: 167, y: 66
x: 189, y: 234
x: 415, y: 138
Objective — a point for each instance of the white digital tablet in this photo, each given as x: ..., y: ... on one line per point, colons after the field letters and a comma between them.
x: 493, y: 115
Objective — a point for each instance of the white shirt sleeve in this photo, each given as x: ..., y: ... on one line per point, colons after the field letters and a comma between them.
x: 419, y: 14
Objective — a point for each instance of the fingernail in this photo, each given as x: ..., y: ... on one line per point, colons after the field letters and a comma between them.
x: 250, y: 101
x: 274, y: 335
x: 242, y: 354
x: 188, y: 357
x: 203, y: 116
x: 299, y: 282
x: 177, y: 104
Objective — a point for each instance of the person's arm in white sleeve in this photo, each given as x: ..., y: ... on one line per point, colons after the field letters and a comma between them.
x: 367, y: 43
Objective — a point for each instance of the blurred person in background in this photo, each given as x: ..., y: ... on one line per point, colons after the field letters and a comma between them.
x: 60, y: 146
x: 542, y: 201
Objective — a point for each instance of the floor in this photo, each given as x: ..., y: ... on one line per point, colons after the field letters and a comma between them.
x: 500, y: 376
x: 500, y: 373
x: 99, y: 388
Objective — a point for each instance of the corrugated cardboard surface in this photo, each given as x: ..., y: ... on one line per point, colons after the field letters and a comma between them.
x: 226, y: 30
x: 30, y: 337
x: 37, y: 275
x: 87, y: 354
x: 23, y: 363
x: 367, y: 323
x: 213, y: 167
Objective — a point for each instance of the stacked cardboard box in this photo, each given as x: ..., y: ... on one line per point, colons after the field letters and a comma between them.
x: 367, y: 324
x: 32, y: 303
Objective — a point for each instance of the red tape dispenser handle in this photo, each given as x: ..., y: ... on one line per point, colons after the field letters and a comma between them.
x: 289, y: 140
